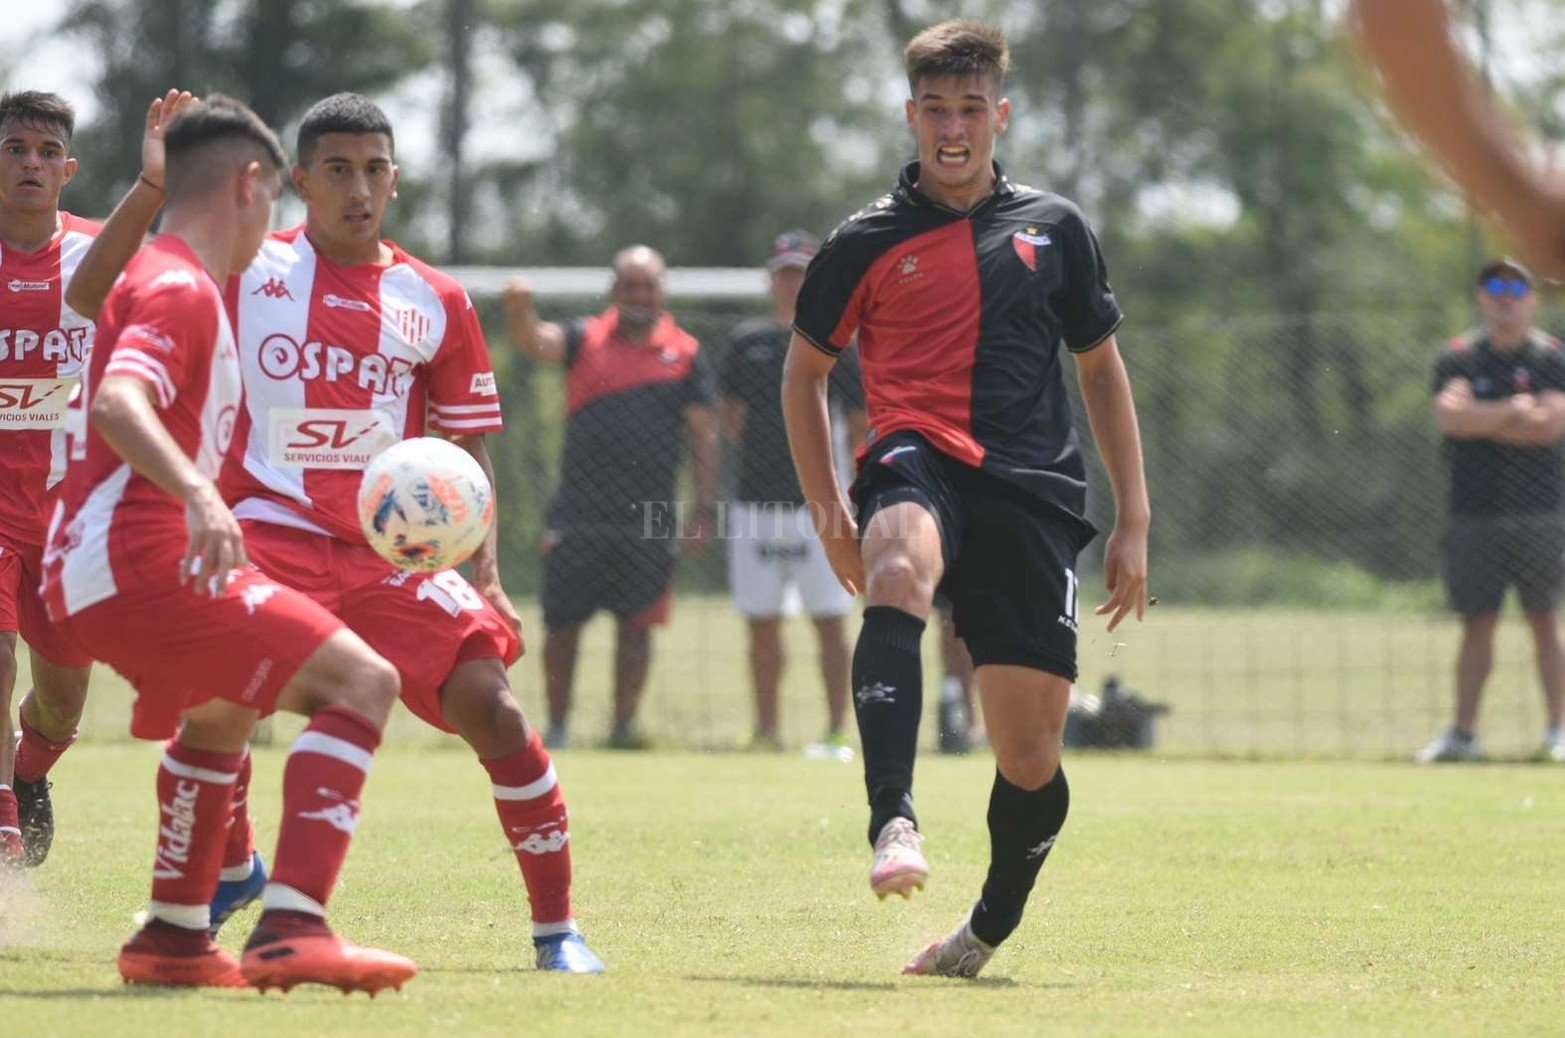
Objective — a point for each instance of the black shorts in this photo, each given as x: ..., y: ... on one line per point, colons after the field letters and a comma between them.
x: 1486, y: 555
x: 1010, y: 556
x: 630, y: 575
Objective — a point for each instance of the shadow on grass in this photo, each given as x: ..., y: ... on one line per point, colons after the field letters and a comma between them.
x: 811, y: 984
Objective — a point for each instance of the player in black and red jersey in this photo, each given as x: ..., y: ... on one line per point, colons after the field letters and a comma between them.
x: 961, y: 285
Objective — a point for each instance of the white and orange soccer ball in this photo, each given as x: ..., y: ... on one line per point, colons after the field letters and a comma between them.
x: 425, y: 505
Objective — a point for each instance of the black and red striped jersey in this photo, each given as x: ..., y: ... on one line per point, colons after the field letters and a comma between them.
x: 959, y: 318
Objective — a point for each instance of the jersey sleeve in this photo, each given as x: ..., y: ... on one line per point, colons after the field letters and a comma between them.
x: 1089, y: 314
x: 1551, y: 373
x: 847, y: 381
x: 698, y: 382
x: 463, y: 399
x: 166, y: 336
x: 1447, y: 367
x: 831, y: 300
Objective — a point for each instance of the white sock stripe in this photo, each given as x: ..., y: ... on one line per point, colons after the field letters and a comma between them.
x: 10, y: 829
x: 280, y: 896
x: 222, y: 778
x: 554, y: 929
x: 531, y: 791
x: 331, y: 746
x: 5, y: 788
x: 190, y: 917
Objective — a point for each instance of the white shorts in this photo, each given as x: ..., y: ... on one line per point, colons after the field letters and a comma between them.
x: 775, y: 560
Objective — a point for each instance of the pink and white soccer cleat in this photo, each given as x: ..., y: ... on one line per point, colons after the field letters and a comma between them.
x: 899, y: 866
x: 958, y: 954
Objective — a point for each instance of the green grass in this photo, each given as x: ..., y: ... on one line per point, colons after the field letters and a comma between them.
x: 1271, y: 682
x: 728, y: 895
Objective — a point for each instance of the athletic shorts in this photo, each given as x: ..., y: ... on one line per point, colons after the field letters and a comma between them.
x: 619, y: 570
x: 424, y: 624
x: 1484, y: 556
x: 179, y: 648
x: 22, y: 609
x: 1010, y: 556
x: 776, y: 560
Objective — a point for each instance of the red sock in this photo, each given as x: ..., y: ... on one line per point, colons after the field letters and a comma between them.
x: 194, y: 789
x: 10, y: 827
x: 532, y: 813
x: 321, y: 785
x: 36, y: 755
x: 241, y: 836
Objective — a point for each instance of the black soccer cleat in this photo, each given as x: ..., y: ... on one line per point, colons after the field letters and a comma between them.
x: 36, y: 813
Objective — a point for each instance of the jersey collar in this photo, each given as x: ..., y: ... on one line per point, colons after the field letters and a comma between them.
x: 908, y: 192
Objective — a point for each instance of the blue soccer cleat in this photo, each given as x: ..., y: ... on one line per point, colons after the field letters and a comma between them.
x: 566, y: 953
x: 235, y: 894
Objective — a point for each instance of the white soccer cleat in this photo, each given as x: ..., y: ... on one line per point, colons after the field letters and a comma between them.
x: 1450, y: 748
x: 958, y: 954
x: 899, y: 866
x: 1553, y: 746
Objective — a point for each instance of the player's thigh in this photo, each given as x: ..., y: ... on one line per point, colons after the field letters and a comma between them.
x: 11, y: 579
x: 1473, y: 567
x: 424, y: 624
x: 575, y: 578
x: 907, y: 507
x: 60, y: 668
x: 755, y: 567
x: 345, y: 672
x: 1014, y: 587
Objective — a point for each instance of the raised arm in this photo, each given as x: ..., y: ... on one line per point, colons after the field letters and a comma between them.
x: 805, y: 409
x: 1438, y: 97
x: 541, y: 340
x: 125, y: 228
x: 1111, y: 410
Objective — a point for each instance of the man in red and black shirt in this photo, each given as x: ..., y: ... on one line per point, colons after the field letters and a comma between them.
x: 637, y: 389
x: 960, y: 286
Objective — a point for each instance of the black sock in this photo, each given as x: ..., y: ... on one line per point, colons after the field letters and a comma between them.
x: 1022, y: 827
x: 888, y: 699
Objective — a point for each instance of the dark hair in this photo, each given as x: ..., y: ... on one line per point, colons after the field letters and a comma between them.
x: 958, y: 48
x: 341, y: 113
x: 202, y: 125
x: 38, y: 110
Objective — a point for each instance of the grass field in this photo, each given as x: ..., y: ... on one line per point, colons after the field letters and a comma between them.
x: 1273, y: 682
x: 728, y: 895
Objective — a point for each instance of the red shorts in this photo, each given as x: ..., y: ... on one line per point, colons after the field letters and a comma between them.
x: 179, y: 648
x: 424, y: 624
x: 22, y: 608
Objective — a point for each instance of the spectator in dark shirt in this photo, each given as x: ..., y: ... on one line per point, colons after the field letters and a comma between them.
x: 1500, y: 404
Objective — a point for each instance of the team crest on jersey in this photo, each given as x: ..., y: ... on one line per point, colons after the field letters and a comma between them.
x: 413, y: 324
x: 1027, y: 243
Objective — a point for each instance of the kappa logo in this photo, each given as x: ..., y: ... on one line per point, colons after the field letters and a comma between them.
x: 336, y: 302
x: 18, y: 285
x: 342, y: 816
x: 148, y: 335
x: 548, y: 838
x: 274, y: 288
x: 878, y: 693
x: 1027, y: 243
x: 257, y: 595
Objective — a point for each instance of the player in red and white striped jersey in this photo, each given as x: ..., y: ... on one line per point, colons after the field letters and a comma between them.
x: 145, y: 570
x: 43, y: 345
x: 350, y: 345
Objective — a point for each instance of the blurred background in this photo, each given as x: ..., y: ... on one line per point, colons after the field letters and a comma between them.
x: 1290, y: 268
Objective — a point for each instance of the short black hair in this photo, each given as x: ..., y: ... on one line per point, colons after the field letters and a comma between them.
x: 341, y: 113
x: 39, y: 110
x: 202, y: 125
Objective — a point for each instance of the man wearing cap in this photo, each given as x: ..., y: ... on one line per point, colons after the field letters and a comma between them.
x: 775, y: 559
x: 1500, y: 404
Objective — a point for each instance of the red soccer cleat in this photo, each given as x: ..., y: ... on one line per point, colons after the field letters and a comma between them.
x: 289, y: 948
x: 161, y: 953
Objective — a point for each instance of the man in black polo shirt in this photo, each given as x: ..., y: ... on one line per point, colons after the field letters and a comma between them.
x: 775, y: 560
x: 1500, y: 404
x: 960, y: 286
x: 637, y: 390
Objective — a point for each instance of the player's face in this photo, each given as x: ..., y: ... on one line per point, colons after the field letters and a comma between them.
x: 260, y: 185
x: 33, y: 166
x: 1510, y: 310
x: 955, y: 120
x: 347, y: 186
x: 785, y: 285
x: 638, y: 294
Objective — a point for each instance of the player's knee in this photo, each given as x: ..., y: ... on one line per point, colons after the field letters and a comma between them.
x: 896, y: 581
x: 374, y: 687
x: 1031, y: 767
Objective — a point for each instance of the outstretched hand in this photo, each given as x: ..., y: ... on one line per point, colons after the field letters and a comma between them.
x: 159, y: 114
x: 1125, y: 573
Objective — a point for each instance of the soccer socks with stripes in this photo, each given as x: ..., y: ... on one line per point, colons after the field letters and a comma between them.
x: 322, y: 781
x: 194, y: 791
x: 10, y: 828
x: 1023, y: 824
x: 241, y: 835
x: 35, y: 755
x: 532, y: 812
x: 888, y: 697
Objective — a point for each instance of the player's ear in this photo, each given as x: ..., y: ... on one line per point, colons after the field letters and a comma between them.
x: 299, y: 175
x: 70, y: 171
x: 396, y: 178
x: 912, y: 110
x: 249, y: 182
x: 1004, y: 108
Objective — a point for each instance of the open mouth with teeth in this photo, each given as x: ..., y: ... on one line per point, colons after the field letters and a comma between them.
x: 952, y: 155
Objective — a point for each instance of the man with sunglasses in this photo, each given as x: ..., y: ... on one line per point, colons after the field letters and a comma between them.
x: 1500, y: 404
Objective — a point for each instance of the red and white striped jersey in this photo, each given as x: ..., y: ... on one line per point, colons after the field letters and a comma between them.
x: 43, y: 347
x: 163, y: 323
x: 341, y: 361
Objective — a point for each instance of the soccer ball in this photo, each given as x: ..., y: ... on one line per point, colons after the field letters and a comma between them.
x: 425, y: 505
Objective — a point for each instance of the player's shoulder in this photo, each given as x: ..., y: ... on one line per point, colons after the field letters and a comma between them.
x: 440, y: 283
x: 1042, y: 206
x: 866, y: 222
x: 1544, y: 342
x: 80, y: 226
